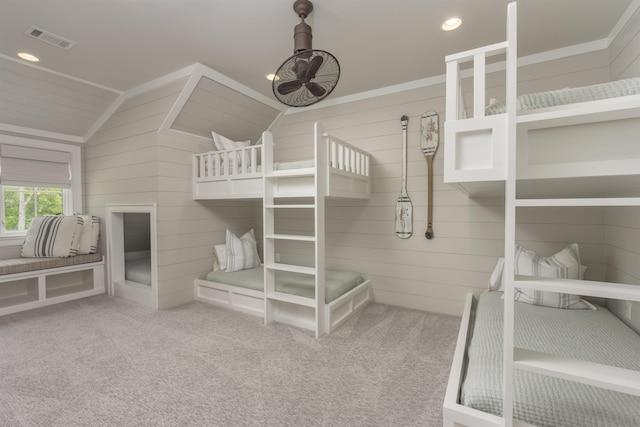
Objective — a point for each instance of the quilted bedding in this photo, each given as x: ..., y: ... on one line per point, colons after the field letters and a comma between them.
x: 596, y: 336
x: 566, y: 96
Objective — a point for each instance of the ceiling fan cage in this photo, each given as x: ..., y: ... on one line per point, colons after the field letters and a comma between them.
x: 293, y: 86
x: 309, y: 75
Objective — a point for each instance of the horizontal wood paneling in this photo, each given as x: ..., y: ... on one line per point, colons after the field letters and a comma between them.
x: 623, y: 255
x: 469, y: 234
x: 37, y: 99
x: 214, y: 106
x: 128, y: 162
x: 624, y: 51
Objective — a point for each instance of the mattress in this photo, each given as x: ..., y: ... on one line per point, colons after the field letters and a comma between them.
x: 337, y: 283
x: 566, y: 96
x: 138, y: 270
x: 596, y: 336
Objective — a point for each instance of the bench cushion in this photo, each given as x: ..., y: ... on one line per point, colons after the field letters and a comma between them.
x: 22, y: 265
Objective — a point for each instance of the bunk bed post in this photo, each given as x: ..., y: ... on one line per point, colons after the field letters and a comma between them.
x: 321, y: 177
x: 268, y: 247
x: 510, y: 215
x: 453, y: 91
x: 479, y: 60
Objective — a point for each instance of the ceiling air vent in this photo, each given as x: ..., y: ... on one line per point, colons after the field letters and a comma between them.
x: 50, y: 38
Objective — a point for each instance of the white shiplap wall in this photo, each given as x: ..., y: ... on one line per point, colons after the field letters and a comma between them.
x: 128, y: 162
x: 435, y: 274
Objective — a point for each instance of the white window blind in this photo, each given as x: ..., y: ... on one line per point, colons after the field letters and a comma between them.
x: 35, y: 167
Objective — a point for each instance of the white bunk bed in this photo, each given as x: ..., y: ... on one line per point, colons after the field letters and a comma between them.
x: 338, y: 170
x: 549, y: 157
x: 239, y: 174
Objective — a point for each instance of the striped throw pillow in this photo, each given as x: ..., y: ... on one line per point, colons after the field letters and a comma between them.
x: 242, y: 252
x: 90, y: 234
x: 563, y: 265
x: 53, y: 236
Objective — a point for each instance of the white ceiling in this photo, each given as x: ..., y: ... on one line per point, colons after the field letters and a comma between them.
x: 121, y: 44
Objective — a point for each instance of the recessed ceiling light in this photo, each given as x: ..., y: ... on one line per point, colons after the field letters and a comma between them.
x: 451, y: 24
x: 272, y: 77
x: 28, y: 57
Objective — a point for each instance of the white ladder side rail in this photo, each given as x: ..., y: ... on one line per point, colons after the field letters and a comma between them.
x: 268, y: 225
x: 510, y: 216
x: 321, y: 154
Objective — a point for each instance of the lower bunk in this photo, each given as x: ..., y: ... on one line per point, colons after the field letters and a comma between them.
x: 345, y: 293
x: 474, y: 392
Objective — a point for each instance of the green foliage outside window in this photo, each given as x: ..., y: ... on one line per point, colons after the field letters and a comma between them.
x: 21, y: 204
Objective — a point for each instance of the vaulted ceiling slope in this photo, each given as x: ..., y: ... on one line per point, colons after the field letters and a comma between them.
x: 121, y: 46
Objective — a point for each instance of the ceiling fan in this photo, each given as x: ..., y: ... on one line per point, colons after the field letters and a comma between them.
x: 309, y: 75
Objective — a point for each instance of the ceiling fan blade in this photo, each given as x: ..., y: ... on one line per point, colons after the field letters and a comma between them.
x: 316, y: 89
x: 286, y: 88
x: 314, y: 65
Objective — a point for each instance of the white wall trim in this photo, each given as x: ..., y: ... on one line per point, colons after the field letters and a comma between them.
x: 198, y: 72
x: 115, y: 244
x: 389, y: 90
x: 66, y: 76
x: 40, y: 133
x: 626, y: 17
x: 104, y: 117
x: 161, y: 81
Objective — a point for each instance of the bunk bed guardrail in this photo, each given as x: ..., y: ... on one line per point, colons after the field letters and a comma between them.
x: 238, y: 173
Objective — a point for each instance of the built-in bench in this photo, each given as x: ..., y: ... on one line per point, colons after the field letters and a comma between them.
x: 28, y: 283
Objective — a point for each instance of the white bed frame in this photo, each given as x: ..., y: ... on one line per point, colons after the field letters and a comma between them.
x: 340, y: 171
x: 215, y: 177
x: 552, y: 145
x: 252, y: 302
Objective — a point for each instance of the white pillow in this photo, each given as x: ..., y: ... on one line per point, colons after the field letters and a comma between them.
x: 242, y: 252
x: 90, y: 234
x: 52, y: 236
x: 564, y: 264
x: 223, y: 143
x: 219, y: 257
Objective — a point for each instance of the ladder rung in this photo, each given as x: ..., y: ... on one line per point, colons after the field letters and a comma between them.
x: 292, y: 268
x: 606, y: 201
x: 293, y: 299
x: 308, y: 206
x: 595, y: 374
x: 291, y: 237
x: 290, y: 173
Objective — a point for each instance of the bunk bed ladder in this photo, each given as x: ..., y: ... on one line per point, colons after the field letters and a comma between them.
x: 604, y: 376
x: 275, y: 300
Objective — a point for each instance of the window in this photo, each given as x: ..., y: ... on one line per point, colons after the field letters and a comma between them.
x: 20, y: 204
x: 36, y: 178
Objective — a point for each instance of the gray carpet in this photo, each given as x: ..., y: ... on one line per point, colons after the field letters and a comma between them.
x: 104, y: 361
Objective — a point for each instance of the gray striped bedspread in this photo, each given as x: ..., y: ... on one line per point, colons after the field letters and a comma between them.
x: 596, y: 336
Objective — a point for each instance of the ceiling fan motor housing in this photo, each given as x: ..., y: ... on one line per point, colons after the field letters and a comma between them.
x: 302, y: 32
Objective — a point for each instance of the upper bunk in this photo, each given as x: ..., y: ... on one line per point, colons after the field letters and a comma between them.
x: 574, y: 141
x: 239, y: 173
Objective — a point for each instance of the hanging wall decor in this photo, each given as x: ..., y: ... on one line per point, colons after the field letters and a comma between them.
x: 429, y: 135
x: 404, y: 209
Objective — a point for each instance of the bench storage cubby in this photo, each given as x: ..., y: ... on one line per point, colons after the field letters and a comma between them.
x: 28, y: 283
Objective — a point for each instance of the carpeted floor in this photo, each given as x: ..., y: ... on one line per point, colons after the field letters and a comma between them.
x: 103, y: 361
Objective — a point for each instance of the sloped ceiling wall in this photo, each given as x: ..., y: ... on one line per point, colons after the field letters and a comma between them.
x: 217, y: 107
x: 34, y: 98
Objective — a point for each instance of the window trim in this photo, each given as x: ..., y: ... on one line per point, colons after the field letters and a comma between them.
x: 72, y: 197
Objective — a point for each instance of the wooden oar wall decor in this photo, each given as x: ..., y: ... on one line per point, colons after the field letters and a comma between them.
x: 404, y: 209
x: 429, y: 135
